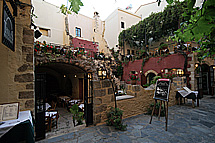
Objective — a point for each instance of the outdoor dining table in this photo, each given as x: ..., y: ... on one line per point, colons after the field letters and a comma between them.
x: 75, y: 101
x: 50, y: 113
x: 189, y: 95
x: 64, y: 98
x: 17, y: 130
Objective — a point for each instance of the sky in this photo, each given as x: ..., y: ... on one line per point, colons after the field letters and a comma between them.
x: 104, y: 7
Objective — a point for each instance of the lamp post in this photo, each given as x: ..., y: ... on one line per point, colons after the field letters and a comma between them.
x: 114, y: 87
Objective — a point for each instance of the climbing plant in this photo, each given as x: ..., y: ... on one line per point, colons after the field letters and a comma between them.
x: 199, y: 26
x: 156, y: 26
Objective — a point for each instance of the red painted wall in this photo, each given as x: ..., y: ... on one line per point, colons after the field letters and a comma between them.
x: 171, y: 61
x: 88, y: 45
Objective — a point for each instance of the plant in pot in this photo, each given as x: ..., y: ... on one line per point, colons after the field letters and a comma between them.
x: 76, y: 115
x: 37, y: 47
x: 133, y: 76
x: 114, y: 118
x: 170, y: 75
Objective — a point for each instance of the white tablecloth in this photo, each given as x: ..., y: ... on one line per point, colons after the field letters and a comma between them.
x: 75, y: 101
x: 81, y: 106
x: 7, y: 125
x: 184, y: 93
x: 51, y: 113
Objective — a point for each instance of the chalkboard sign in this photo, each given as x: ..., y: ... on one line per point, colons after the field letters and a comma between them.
x: 162, y: 89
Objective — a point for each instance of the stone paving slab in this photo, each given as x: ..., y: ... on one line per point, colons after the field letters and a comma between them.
x: 186, y: 124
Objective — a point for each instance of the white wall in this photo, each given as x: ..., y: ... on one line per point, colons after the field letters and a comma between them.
x: 50, y: 17
x: 113, y: 25
x: 111, y: 29
x: 145, y: 10
x: 83, y: 22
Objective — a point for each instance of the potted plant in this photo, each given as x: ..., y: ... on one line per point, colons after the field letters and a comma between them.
x: 133, y: 77
x: 170, y: 75
x: 77, y: 116
x: 37, y: 47
x: 114, y: 118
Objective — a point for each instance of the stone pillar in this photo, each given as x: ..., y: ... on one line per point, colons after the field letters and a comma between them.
x: 23, y: 61
x: 102, y: 99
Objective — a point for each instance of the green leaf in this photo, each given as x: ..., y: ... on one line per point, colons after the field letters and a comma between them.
x: 169, y: 1
x: 75, y: 5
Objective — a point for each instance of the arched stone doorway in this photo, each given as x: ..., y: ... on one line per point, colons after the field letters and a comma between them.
x: 63, y: 77
x: 148, y: 76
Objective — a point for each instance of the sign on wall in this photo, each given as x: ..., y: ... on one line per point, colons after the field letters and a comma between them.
x: 8, y: 28
x: 162, y: 89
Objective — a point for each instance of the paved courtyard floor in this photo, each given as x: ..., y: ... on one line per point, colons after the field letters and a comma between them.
x: 186, y: 125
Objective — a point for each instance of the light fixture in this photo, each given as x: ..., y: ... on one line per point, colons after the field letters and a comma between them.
x: 89, y: 75
x: 213, y: 67
x: 75, y: 75
x: 102, y: 73
x: 196, y: 65
x: 141, y: 72
x: 180, y: 72
x: 162, y: 70
x: 64, y: 76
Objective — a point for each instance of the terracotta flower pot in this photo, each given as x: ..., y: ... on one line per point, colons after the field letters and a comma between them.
x: 49, y: 51
x: 133, y: 82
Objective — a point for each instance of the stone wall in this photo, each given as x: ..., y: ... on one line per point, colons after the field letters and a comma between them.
x: 104, y: 98
x: 17, y: 74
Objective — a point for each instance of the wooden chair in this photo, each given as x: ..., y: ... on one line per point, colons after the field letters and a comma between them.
x: 54, y: 120
x: 47, y: 123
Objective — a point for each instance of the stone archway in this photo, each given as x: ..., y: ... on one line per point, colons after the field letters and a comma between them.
x: 151, y: 71
x: 148, y: 76
x: 86, y: 65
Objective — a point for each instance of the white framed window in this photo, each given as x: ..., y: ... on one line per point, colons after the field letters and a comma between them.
x: 45, y: 32
x: 78, y: 32
x: 122, y: 25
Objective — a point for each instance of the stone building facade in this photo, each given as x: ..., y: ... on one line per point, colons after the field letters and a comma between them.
x: 17, y: 73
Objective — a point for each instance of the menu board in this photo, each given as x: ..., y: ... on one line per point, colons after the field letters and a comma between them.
x: 9, y: 111
x: 162, y: 89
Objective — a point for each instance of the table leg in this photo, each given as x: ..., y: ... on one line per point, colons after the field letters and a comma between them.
x: 193, y: 105
x: 197, y: 102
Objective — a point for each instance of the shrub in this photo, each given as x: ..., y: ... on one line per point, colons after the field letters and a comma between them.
x: 114, y: 118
